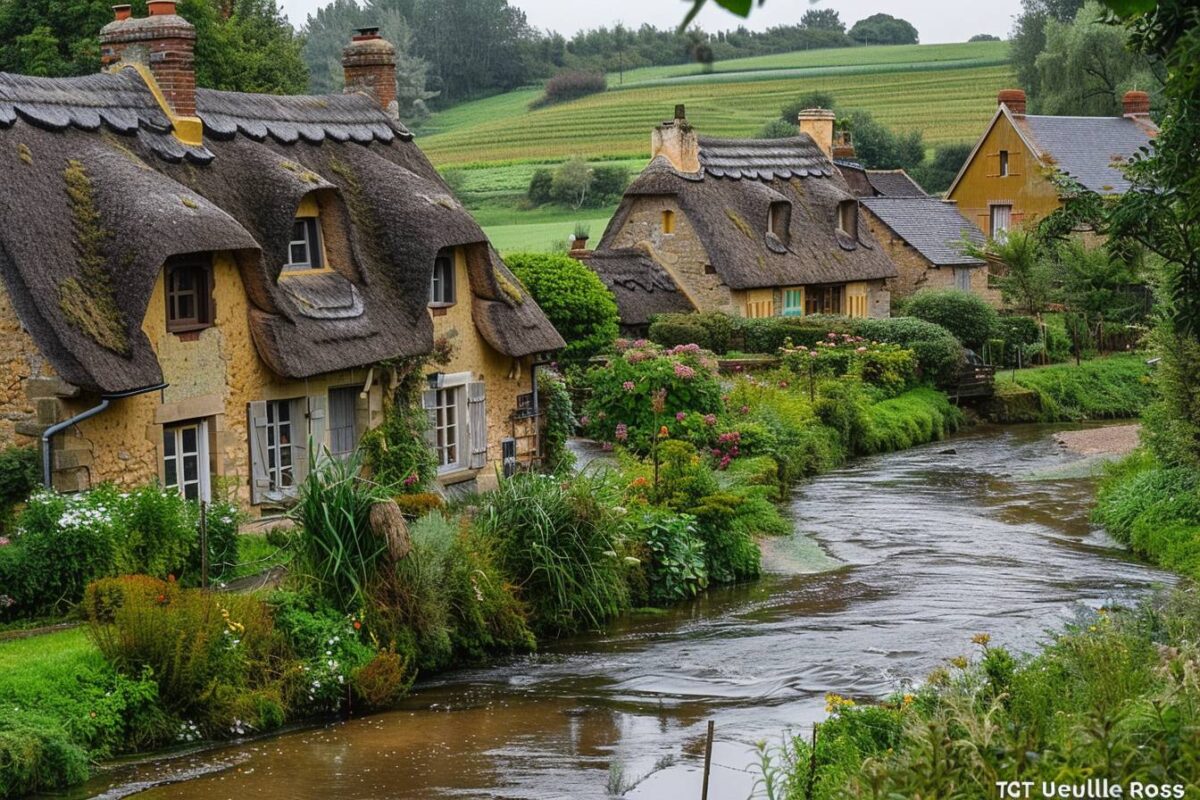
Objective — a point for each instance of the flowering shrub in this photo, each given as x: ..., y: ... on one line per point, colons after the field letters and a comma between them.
x: 645, y: 387
x: 329, y: 645
x: 888, y: 367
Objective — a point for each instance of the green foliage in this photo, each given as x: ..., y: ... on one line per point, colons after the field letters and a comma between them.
x: 674, y: 561
x: 968, y: 316
x: 397, y: 451
x: 216, y: 659
x: 725, y: 524
x: 329, y: 647
x: 877, y: 146
x: 937, y: 173
x: 622, y: 406
x: 559, y: 423
x: 888, y: 368
x: 541, y: 187
x: 916, y: 417
x: 776, y: 129
x: 571, y: 184
x: 1025, y: 278
x: 578, y: 304
x: 1172, y: 423
x: 570, y: 85
x: 712, y: 331
x: 790, y: 113
x: 19, y: 476
x: 561, y: 546
x: 1104, y: 388
x: 843, y: 406
x: 883, y: 29
x: 938, y: 353
x: 337, y: 550
x: 609, y: 184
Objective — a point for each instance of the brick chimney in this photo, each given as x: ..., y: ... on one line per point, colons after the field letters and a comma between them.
x: 163, y: 43
x: 369, y: 62
x: 1136, y: 104
x: 677, y: 141
x: 818, y: 123
x: 1014, y: 99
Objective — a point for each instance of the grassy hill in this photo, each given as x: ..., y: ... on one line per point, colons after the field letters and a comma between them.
x: 947, y: 91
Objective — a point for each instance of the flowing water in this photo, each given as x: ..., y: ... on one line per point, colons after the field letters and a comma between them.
x: 896, y: 561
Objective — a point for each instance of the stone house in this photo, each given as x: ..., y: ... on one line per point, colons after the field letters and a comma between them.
x: 197, y: 284
x: 1008, y: 180
x: 749, y: 227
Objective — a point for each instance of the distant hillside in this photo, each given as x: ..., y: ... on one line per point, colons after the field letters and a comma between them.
x: 946, y: 91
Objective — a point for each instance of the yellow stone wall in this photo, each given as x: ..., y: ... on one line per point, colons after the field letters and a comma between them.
x: 1026, y: 188
x: 27, y: 382
x: 505, y: 377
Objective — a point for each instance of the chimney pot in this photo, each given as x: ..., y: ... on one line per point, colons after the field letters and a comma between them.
x: 1136, y: 104
x: 818, y: 124
x: 163, y: 43
x: 677, y: 142
x: 1014, y: 99
x: 369, y: 64
x: 680, y: 111
x: 122, y: 12
x: 159, y: 8
x: 366, y: 34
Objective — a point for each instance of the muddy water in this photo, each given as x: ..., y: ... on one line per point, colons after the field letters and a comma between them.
x: 895, y: 563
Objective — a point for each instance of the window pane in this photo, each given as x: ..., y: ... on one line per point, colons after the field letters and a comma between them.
x: 285, y: 410
x: 299, y: 231
x: 191, y: 468
x: 171, y: 471
x: 299, y: 254
x: 185, y: 279
x: 168, y: 442
x: 192, y: 491
x: 189, y: 440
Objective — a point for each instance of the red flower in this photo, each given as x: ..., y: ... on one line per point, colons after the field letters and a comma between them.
x: 357, y: 625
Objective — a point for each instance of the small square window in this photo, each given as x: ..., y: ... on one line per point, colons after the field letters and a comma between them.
x: 441, y: 289
x: 189, y: 295
x: 304, y: 249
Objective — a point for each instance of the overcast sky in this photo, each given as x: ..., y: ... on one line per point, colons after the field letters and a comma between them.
x: 936, y: 20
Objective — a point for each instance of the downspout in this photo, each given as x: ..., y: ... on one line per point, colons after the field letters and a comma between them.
x: 54, y: 430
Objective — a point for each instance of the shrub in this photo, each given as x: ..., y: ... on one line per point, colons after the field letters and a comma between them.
x: 19, y: 477
x: 968, y: 316
x: 623, y: 405
x: 609, y: 184
x: 776, y: 129
x: 571, y: 85
x: 916, y: 417
x: 843, y: 406
x: 888, y: 367
x: 383, y: 681
x: 330, y: 648
x: 572, y: 183
x: 541, y: 187
x: 37, y: 753
x: 559, y: 423
x: 561, y: 545
x: 730, y: 552
x: 157, y: 531
x: 396, y: 451
x: 337, y: 550
x: 578, y: 304
x: 939, y: 354
x: 215, y: 659
x: 711, y: 331
x: 674, y: 560
x: 415, y: 506
x: 224, y: 521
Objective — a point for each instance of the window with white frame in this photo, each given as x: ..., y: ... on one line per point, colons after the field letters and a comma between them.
x: 456, y: 406
x: 449, y: 427
x: 185, y: 460
x: 281, y: 441
x: 304, y: 249
x: 441, y: 289
x: 1001, y: 221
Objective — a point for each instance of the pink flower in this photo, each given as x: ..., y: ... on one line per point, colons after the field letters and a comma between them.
x: 783, y: 384
x: 5, y: 541
x: 585, y: 420
x: 622, y: 432
x: 831, y: 335
x: 629, y: 386
x: 607, y: 447
x: 410, y: 480
x: 710, y: 419
x: 681, y: 416
x: 813, y: 353
x: 684, y: 371
x: 745, y: 409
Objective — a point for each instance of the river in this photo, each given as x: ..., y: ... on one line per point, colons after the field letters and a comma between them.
x: 896, y: 562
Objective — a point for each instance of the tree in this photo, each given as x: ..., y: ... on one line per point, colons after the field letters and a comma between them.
x: 580, y: 307
x: 1086, y: 66
x: 878, y: 147
x: 814, y: 99
x: 984, y: 37
x: 473, y: 46
x: 1028, y: 37
x: 967, y: 316
x: 823, y: 19
x: 883, y: 29
x: 1020, y: 268
x: 571, y: 183
x: 241, y: 45
x: 936, y: 174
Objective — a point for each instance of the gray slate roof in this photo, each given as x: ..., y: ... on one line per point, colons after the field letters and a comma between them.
x: 1089, y: 149
x: 894, y: 183
x: 933, y: 228
x: 763, y: 159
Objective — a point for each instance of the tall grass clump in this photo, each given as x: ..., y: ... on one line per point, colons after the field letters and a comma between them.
x: 336, y: 548
x: 561, y: 544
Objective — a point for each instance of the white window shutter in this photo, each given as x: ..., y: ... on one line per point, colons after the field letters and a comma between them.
x: 477, y: 424
x: 300, y: 458
x: 318, y: 423
x: 260, y: 480
x: 429, y: 403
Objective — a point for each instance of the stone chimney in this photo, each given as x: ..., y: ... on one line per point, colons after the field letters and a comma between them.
x: 369, y: 62
x: 843, y: 145
x: 163, y: 43
x: 1136, y: 104
x: 677, y: 141
x: 818, y: 123
x: 1014, y: 99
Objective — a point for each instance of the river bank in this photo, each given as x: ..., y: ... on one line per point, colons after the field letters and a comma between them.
x: 896, y: 562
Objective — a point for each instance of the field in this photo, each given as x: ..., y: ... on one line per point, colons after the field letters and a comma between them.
x: 945, y: 91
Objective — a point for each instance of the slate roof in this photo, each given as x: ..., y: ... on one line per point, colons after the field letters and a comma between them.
x: 933, y: 228
x: 641, y: 286
x: 1092, y: 150
x: 894, y: 183
x: 728, y: 203
x: 99, y: 194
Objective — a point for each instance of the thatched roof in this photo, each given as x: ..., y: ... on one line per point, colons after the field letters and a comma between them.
x: 642, y: 288
x: 99, y: 193
x: 728, y: 203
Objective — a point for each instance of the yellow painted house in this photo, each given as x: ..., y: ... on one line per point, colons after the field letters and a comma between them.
x: 203, y: 288
x: 1007, y: 181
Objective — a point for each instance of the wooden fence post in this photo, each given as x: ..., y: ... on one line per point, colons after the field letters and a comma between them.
x: 707, y: 760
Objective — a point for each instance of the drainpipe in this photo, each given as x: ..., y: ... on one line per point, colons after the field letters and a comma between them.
x: 54, y: 430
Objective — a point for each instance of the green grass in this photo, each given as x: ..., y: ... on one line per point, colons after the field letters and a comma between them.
x: 1114, y: 387
x: 256, y: 555
x: 542, y: 236
x: 949, y: 97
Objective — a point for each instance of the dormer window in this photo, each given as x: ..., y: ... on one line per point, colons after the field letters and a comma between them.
x: 189, y: 294
x: 441, y: 289
x: 304, y: 249
x: 848, y: 218
x: 778, y: 220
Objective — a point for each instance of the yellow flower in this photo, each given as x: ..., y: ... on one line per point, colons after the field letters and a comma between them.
x: 960, y: 661
x: 908, y: 699
x: 981, y: 639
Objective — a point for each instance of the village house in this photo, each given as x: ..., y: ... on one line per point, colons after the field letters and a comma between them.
x: 1008, y: 181
x: 749, y: 227
x: 197, y: 284
x: 924, y: 236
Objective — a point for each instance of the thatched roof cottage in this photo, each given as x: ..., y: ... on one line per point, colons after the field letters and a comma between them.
x: 753, y: 227
x: 196, y: 282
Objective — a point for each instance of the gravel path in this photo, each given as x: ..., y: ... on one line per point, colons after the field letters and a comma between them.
x: 1112, y: 440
